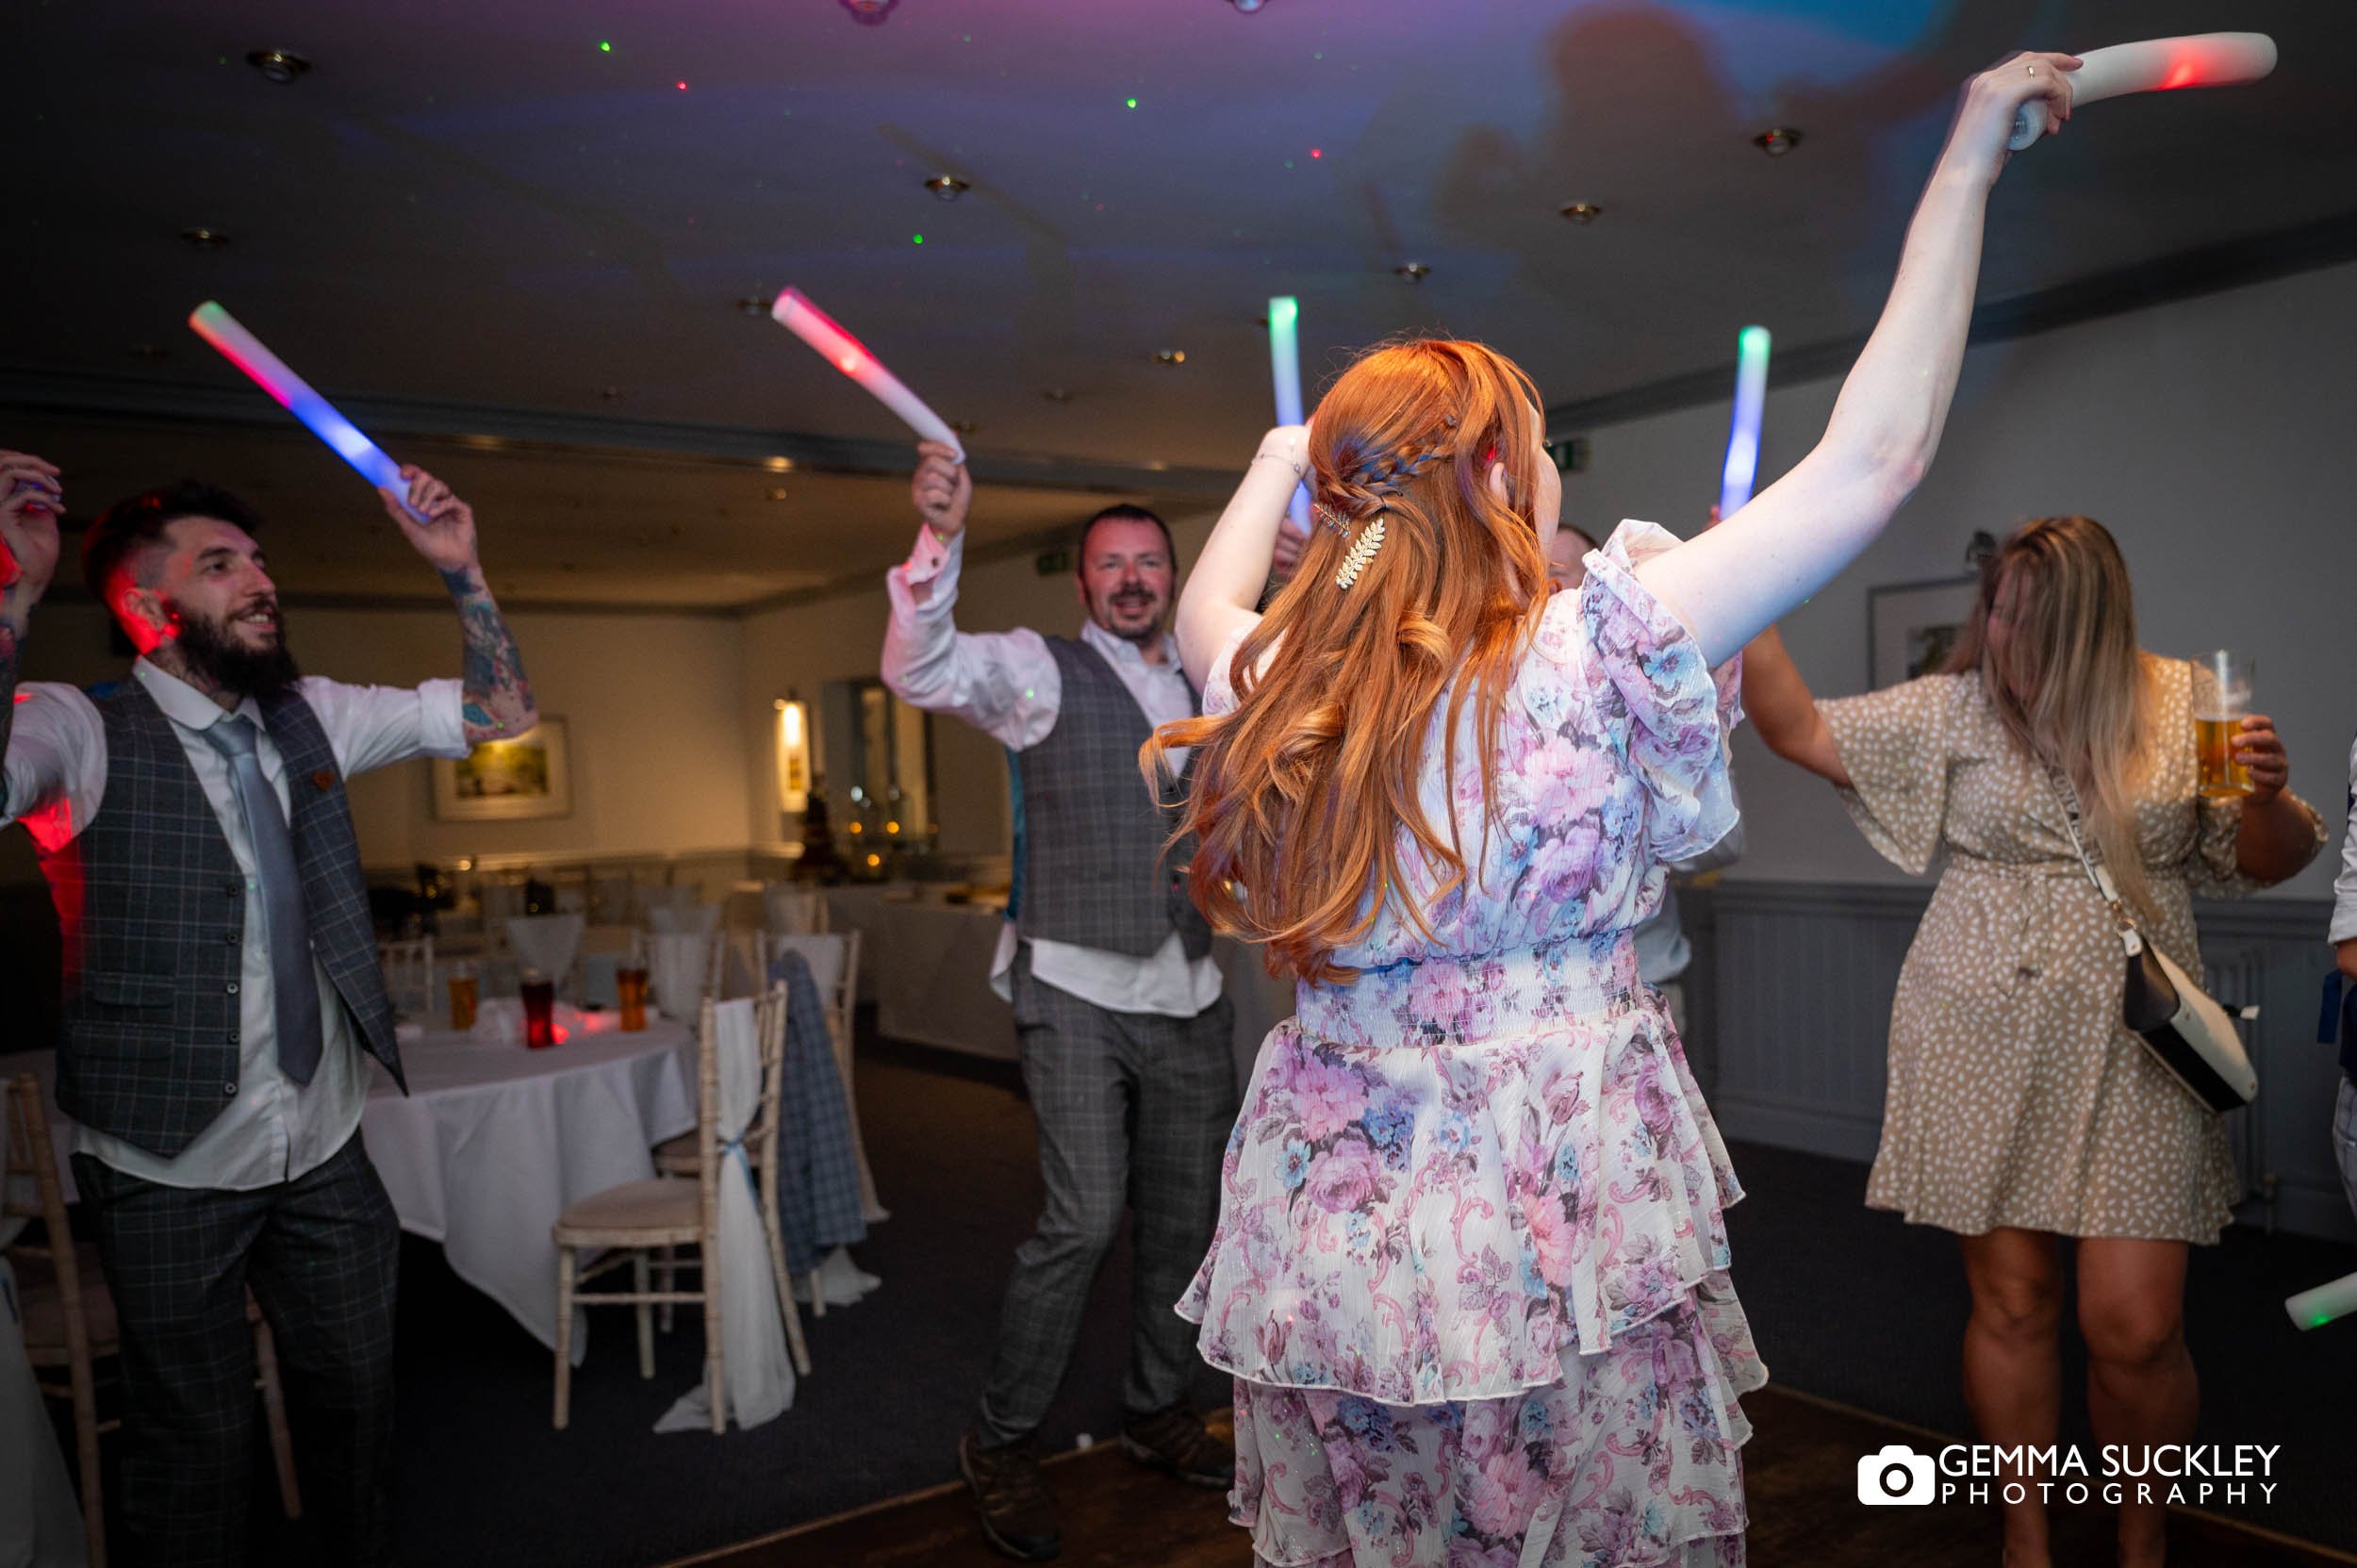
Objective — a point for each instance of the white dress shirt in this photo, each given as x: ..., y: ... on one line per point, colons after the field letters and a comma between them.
x: 1007, y: 685
x: 272, y: 1130
x: 2345, y: 886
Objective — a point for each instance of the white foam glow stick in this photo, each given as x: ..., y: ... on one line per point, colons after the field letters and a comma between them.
x: 270, y: 372
x: 2314, y: 1309
x: 2156, y: 65
x: 1284, y: 351
x: 794, y: 312
x: 1751, y: 391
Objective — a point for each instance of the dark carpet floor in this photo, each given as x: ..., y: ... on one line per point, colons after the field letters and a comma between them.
x: 1847, y: 1304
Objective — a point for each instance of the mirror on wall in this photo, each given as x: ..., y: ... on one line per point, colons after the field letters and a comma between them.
x: 879, y: 778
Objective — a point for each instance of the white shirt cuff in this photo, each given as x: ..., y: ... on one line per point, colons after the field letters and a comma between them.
x: 442, y: 718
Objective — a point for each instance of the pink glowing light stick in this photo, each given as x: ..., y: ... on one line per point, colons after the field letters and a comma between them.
x: 2156, y: 65
x: 270, y: 372
x: 794, y: 312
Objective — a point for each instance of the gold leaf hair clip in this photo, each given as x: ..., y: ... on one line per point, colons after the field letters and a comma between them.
x: 1362, y: 551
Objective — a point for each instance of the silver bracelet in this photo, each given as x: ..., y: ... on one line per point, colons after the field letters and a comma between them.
x: 1299, y: 472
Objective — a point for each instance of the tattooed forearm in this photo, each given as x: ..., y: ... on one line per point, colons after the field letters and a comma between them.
x: 498, y: 696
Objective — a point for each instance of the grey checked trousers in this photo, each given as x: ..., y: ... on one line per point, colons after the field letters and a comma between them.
x: 320, y: 1253
x: 1133, y: 1109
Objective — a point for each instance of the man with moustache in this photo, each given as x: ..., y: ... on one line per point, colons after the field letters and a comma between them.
x: 1125, y: 1036
x: 221, y: 991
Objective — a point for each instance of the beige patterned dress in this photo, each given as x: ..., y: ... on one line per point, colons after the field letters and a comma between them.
x: 2017, y: 1097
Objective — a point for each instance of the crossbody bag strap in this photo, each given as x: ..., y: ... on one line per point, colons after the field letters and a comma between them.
x: 2131, y: 939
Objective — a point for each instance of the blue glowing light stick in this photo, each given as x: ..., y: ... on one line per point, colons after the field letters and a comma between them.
x: 1284, y: 350
x: 270, y: 372
x: 1751, y: 390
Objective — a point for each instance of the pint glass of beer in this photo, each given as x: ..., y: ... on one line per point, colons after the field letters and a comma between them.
x: 463, y: 997
x: 2221, y: 695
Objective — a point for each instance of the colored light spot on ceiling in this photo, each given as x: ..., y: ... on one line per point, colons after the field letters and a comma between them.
x: 683, y: 87
x: 1131, y: 102
x: 1315, y: 152
x: 916, y: 238
x: 604, y: 47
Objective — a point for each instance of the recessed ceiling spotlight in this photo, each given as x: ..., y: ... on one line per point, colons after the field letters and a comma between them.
x: 1247, y: 6
x: 869, y: 13
x: 948, y: 188
x: 777, y: 492
x: 279, y: 65
x: 1171, y: 357
x: 204, y: 239
x: 778, y: 465
x: 753, y: 306
x: 1582, y: 213
x: 1776, y: 141
x: 1412, y: 271
x: 1057, y: 394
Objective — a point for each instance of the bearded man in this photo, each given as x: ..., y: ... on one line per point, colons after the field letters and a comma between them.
x: 220, y: 989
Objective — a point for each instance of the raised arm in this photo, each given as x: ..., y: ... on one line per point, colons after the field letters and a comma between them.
x: 1777, y: 702
x: 497, y: 697
x: 1225, y: 586
x: 1005, y: 684
x: 1736, y: 580
x: 30, y: 500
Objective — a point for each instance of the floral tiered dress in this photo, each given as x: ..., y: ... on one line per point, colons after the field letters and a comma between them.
x: 1470, y: 1273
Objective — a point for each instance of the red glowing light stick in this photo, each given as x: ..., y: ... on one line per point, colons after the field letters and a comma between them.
x: 2156, y: 65
x: 794, y: 312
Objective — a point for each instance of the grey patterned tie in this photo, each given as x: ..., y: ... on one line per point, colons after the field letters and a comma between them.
x: 293, y: 986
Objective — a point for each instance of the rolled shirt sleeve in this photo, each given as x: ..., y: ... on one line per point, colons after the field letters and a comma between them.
x: 372, y: 727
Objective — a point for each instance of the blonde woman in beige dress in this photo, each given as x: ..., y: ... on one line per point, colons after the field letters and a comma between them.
x: 2020, y: 1110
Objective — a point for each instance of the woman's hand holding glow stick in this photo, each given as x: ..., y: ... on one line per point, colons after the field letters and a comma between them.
x: 2156, y: 65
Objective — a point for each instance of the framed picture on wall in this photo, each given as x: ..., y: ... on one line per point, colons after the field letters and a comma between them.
x: 505, y: 780
x: 1911, y: 628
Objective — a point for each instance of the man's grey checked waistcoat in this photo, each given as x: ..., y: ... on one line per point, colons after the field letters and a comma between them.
x: 1093, y: 860
x: 151, y: 904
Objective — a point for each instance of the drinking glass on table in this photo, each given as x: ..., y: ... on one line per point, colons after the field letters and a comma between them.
x: 539, y: 995
x: 2221, y: 695
x: 463, y: 994
x: 630, y: 990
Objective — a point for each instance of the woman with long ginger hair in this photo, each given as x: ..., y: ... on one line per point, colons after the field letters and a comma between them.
x: 1471, y: 1267
x: 2019, y: 1108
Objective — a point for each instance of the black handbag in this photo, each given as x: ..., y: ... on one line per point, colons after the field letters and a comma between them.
x: 2188, y: 1033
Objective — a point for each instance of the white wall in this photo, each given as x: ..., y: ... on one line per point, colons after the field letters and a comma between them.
x: 649, y: 704
x: 2212, y: 437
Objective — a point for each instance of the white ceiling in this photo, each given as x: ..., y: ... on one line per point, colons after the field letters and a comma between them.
x: 468, y: 220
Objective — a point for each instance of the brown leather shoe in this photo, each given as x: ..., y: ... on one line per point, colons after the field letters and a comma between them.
x: 1019, y: 1515
x: 1174, y: 1440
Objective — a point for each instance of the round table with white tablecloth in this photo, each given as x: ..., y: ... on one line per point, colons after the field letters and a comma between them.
x: 493, y: 1141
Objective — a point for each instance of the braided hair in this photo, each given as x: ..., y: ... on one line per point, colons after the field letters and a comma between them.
x: 1319, y: 763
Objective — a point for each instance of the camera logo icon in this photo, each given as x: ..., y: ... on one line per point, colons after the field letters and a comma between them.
x: 1897, y: 1475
